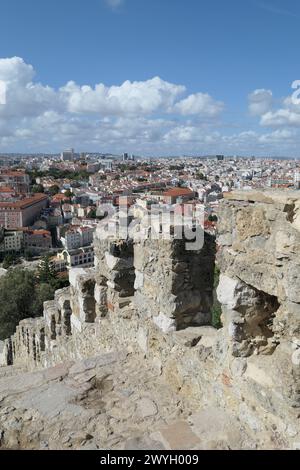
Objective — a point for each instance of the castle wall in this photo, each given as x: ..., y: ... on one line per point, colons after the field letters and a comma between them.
x: 153, y: 297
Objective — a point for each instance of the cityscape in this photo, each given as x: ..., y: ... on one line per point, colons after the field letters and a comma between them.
x: 48, y: 204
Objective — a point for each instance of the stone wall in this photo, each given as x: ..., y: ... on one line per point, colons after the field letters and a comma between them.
x: 136, y: 286
x: 174, y: 286
x: 153, y: 299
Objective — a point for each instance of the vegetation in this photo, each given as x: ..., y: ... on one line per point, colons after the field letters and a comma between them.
x: 37, y: 188
x: 216, y: 310
x: 23, y: 292
x: 201, y: 176
x: 54, y: 190
x: 9, y: 260
x: 21, y: 296
x: 56, y: 173
x: 212, y: 218
x: 69, y: 194
x: 92, y: 214
x: 176, y: 167
x: 46, y: 275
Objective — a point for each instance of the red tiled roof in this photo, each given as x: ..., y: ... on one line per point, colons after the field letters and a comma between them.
x: 59, y: 197
x: 12, y: 173
x: 23, y: 203
x: 177, y: 192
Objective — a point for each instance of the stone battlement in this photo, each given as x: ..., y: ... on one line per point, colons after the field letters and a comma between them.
x: 153, y: 298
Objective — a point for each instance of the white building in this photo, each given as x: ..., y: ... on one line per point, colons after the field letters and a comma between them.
x: 12, y: 241
x: 78, y: 237
x: 83, y: 257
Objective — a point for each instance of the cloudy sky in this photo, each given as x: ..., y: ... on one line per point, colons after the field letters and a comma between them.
x: 150, y: 76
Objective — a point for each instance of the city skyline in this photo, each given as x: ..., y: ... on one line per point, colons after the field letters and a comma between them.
x: 150, y: 78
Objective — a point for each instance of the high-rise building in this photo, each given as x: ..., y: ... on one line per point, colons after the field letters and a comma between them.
x: 67, y: 155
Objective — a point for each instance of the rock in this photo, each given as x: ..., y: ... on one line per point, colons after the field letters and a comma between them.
x: 143, y: 443
x: 234, y: 294
x: 146, y: 408
x: 142, y: 339
x: 139, y: 280
x: 166, y: 324
x: 177, y: 436
x: 215, y: 427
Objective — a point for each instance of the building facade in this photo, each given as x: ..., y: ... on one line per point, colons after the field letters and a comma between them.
x: 22, y: 213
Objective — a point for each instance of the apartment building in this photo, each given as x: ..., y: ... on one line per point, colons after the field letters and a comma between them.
x: 37, y: 241
x: 178, y: 195
x: 18, y: 180
x: 76, y: 237
x: 22, y: 213
x: 12, y: 240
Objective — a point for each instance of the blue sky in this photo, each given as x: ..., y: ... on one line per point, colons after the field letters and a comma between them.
x: 223, y: 72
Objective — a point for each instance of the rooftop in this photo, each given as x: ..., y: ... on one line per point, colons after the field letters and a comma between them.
x: 23, y: 203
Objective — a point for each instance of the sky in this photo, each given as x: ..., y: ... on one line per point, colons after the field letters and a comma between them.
x: 150, y: 77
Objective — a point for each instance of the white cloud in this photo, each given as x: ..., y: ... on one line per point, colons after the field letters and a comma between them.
x: 16, y: 70
x: 287, y: 114
x: 278, y: 136
x: 129, y: 98
x: 147, y: 117
x: 281, y: 117
x: 114, y: 3
x: 199, y: 103
x: 23, y: 96
x: 260, y: 102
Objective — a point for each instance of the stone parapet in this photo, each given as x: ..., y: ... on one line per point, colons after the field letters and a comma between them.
x: 153, y: 299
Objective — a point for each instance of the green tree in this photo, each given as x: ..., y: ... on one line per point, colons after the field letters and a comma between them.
x: 212, y: 218
x: 37, y: 188
x: 9, y: 260
x: 69, y: 194
x: 42, y: 293
x: 20, y: 297
x: 201, y: 176
x: 45, y: 272
x: 92, y: 214
x: 54, y: 190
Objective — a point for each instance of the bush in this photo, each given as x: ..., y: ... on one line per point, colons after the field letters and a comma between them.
x: 21, y: 297
x: 10, y: 260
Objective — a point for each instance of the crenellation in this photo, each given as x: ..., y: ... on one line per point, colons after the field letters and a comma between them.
x: 153, y: 299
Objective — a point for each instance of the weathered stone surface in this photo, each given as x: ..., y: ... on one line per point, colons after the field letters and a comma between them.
x: 146, y: 408
x: 178, y: 436
x: 174, y: 282
x: 165, y: 323
x: 131, y: 354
